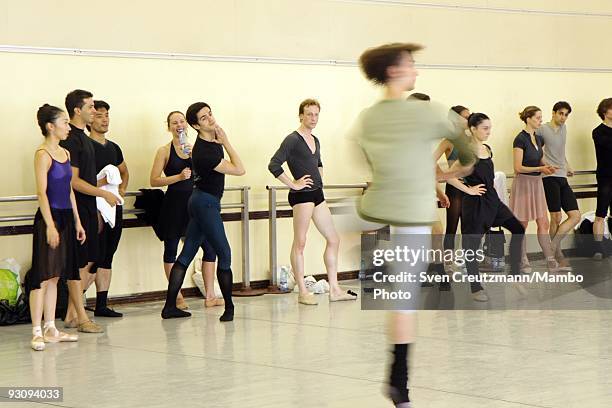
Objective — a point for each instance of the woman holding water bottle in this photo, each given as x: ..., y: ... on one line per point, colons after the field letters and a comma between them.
x: 174, y: 161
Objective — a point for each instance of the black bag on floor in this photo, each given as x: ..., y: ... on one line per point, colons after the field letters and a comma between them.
x: 585, y: 243
x: 19, y: 313
x: 583, y: 238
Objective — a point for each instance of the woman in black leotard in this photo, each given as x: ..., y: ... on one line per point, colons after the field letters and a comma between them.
x: 480, y: 213
x: 174, y: 217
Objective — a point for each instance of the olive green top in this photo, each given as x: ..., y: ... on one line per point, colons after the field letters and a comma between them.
x: 397, y: 138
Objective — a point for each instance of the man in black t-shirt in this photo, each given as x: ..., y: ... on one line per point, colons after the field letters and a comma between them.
x: 79, y: 105
x: 106, y: 153
x: 602, y: 137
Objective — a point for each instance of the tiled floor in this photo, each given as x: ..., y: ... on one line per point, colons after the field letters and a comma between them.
x: 280, y: 354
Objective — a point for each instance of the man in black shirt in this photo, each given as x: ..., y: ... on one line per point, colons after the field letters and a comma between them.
x: 106, y: 153
x: 602, y: 137
x: 79, y: 105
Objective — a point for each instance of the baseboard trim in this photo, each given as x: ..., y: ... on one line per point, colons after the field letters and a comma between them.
x: 158, y: 295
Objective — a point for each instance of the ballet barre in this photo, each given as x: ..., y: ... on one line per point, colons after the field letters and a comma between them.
x: 242, y: 205
x: 272, y: 230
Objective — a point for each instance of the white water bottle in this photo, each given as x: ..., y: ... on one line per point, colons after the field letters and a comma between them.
x: 183, y: 140
x: 283, y: 285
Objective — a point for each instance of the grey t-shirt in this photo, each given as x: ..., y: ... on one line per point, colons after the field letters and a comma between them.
x: 554, y: 147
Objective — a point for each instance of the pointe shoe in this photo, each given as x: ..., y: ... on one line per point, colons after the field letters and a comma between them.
x: 525, y: 268
x: 37, y: 343
x: 182, y: 306
x: 598, y: 256
x: 307, y: 299
x: 56, y: 336
x: 480, y: 296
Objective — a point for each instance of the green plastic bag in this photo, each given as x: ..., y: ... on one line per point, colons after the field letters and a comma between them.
x: 9, y: 281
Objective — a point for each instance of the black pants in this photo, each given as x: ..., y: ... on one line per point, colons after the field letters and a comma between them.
x: 472, y: 236
x: 108, y: 239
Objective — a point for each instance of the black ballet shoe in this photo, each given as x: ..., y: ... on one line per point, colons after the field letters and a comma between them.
x: 228, y: 315
x: 107, y: 312
x: 173, y: 313
x: 398, y: 396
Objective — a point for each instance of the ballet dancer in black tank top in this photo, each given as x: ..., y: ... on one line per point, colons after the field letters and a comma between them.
x: 481, y: 212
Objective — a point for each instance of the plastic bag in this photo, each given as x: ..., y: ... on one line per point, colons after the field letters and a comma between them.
x: 10, y: 288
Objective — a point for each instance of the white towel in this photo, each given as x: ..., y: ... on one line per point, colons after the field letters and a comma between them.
x: 500, y: 186
x: 113, y: 177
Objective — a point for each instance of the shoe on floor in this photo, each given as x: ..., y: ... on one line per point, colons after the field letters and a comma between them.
x: 308, y: 299
x: 398, y: 398
x: 480, y: 296
x: 214, y: 302
x: 107, y: 312
x: 56, y: 336
x: 182, y: 306
x: 598, y: 256
x: 90, y: 327
x: 342, y: 297
x: 37, y: 343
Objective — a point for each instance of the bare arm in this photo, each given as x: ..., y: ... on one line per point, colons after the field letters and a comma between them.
x: 570, y: 170
x: 156, y: 179
x: 471, y: 190
x: 517, y: 153
x: 125, y: 178
x: 445, y: 147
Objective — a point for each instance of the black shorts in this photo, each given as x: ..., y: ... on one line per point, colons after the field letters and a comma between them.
x: 88, y: 252
x: 300, y: 197
x: 109, y: 240
x: 604, y: 196
x: 559, y: 194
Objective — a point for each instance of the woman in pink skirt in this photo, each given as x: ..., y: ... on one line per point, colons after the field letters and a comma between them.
x: 527, y: 199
